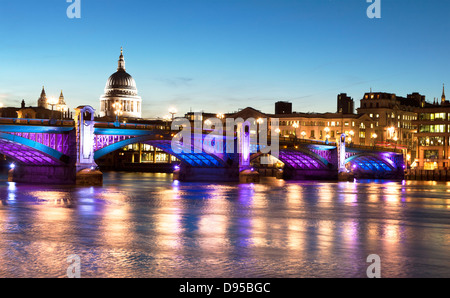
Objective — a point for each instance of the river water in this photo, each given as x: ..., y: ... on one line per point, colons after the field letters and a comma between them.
x: 146, y: 225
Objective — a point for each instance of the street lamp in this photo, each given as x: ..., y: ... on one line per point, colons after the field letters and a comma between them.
x: 220, y: 116
x: 374, y: 136
x: 327, y: 130
x: 172, y: 111
x: 295, y: 126
x: 117, y: 111
x: 352, y: 134
x: 303, y: 133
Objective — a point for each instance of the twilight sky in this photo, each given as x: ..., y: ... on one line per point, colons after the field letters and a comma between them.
x: 222, y: 55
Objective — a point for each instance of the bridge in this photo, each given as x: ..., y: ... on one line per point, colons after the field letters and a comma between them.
x: 64, y: 152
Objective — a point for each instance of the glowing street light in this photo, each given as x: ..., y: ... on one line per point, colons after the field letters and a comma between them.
x: 352, y: 134
x: 172, y: 111
x: 220, y: 116
x: 117, y: 111
x: 374, y: 136
x: 303, y: 133
x: 295, y: 126
x: 327, y: 130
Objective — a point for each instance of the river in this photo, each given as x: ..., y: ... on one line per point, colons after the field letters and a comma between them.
x: 146, y: 225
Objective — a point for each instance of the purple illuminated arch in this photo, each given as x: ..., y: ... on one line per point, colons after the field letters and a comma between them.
x: 30, y: 152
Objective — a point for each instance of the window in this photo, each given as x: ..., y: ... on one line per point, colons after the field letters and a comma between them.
x: 431, y: 141
x: 432, y: 116
x: 432, y: 128
x: 431, y: 154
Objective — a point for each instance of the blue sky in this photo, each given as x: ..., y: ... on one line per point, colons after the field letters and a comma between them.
x: 222, y: 55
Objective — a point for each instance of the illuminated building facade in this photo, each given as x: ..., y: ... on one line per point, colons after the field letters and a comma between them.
x: 393, y: 118
x: 433, y: 136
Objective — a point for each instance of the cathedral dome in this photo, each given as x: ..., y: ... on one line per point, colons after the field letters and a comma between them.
x: 121, y: 88
x: 121, y: 80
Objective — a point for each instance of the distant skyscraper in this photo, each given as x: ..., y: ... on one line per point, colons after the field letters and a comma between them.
x: 121, y: 88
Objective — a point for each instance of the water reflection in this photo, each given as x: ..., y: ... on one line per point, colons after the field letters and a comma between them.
x: 145, y: 225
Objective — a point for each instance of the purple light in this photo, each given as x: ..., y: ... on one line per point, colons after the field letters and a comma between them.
x: 12, y: 166
x: 176, y: 168
x: 354, y: 166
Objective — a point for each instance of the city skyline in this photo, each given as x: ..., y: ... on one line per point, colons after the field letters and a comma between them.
x: 221, y: 56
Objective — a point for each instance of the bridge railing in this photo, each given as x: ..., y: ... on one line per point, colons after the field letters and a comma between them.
x: 127, y: 125
x: 31, y: 121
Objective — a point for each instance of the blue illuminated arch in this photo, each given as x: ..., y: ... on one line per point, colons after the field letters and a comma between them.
x: 371, y: 162
x: 193, y: 159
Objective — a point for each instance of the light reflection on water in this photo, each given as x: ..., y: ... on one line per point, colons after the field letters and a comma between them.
x: 145, y: 225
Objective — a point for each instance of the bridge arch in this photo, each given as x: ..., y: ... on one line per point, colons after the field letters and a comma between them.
x: 202, y: 159
x: 301, y: 158
x: 382, y: 163
x: 26, y: 151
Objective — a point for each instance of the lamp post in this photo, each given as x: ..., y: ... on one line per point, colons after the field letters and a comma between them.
x: 118, y: 112
x: 303, y: 133
x: 374, y: 136
x: 352, y: 134
x: 172, y: 111
x: 327, y: 130
x: 295, y: 126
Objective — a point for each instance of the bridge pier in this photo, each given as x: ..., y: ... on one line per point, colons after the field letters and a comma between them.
x: 197, y: 174
x: 42, y: 174
x: 55, y: 175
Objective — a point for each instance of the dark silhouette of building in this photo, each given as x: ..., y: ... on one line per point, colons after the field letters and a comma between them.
x: 345, y: 104
x: 283, y: 107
